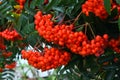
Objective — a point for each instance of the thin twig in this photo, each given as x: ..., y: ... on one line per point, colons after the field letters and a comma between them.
x: 77, y: 17
x: 79, y: 26
x: 58, y: 16
x: 91, y: 29
x: 69, y: 21
x: 61, y: 20
x: 85, y: 29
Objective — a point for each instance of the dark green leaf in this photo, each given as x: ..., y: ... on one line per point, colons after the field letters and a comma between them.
x: 77, y: 6
x: 110, y: 75
x: 39, y: 2
x: 21, y: 22
x: 50, y: 5
x: 3, y: 5
x: 119, y: 24
x: 28, y: 28
x: 68, y: 2
x: 33, y: 4
x: 107, y: 5
x: 110, y: 67
x: 69, y: 10
x: 60, y: 9
x: 118, y: 1
x: 30, y: 11
x: 103, y: 59
x: 80, y: 28
x: 32, y: 38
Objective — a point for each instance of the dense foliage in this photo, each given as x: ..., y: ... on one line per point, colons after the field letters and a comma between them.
x: 78, y: 38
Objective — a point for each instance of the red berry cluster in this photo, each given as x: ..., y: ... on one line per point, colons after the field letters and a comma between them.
x: 10, y: 35
x: 21, y: 2
x: 6, y: 54
x: 1, y: 70
x: 63, y: 35
x: 10, y: 66
x: 48, y: 59
x: 115, y: 5
x: 97, y: 7
x: 2, y: 46
x: 46, y: 2
x: 115, y: 44
x: 90, y: 47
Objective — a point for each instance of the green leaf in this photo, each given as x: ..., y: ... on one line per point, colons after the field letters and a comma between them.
x: 110, y: 75
x: 33, y: 4
x: 84, y: 76
x: 103, y: 59
x: 118, y: 1
x: 77, y: 6
x: 3, y: 5
x: 119, y: 24
x: 21, y: 22
x: 28, y: 28
x: 68, y: 2
x: 39, y: 2
x: 30, y: 11
x: 7, y: 8
x: 110, y: 67
x: 80, y: 28
x: 50, y: 5
x: 32, y: 38
x: 52, y: 77
x: 60, y: 9
x: 69, y: 10
x: 107, y: 5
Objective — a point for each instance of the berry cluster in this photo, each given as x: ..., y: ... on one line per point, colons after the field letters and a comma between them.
x: 115, y: 5
x: 63, y: 35
x: 1, y: 69
x: 91, y: 47
x: 97, y: 7
x: 6, y: 54
x: 10, y: 35
x: 115, y: 44
x: 10, y: 66
x: 46, y: 2
x: 48, y: 59
x: 2, y: 46
x: 21, y: 2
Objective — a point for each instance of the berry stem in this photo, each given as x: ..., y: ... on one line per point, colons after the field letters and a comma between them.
x: 77, y: 17
x: 61, y: 21
x: 85, y: 29
x: 91, y: 29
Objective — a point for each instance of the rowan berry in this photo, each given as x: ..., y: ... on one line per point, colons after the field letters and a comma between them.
x: 21, y: 3
x: 51, y: 58
x: 46, y: 2
x: 115, y: 44
x: 63, y: 35
x: 1, y: 70
x: 10, y: 66
x: 97, y: 7
x: 11, y: 35
x: 6, y: 54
